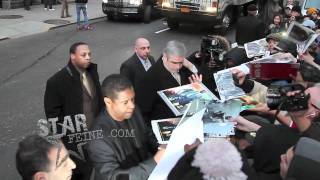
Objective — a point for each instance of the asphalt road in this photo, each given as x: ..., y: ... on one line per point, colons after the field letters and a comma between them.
x: 26, y: 63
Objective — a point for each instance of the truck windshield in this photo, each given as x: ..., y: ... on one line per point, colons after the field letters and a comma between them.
x: 312, y: 3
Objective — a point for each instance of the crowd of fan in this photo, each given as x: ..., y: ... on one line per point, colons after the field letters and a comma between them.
x: 268, y: 144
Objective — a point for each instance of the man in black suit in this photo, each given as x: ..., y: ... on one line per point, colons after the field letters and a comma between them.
x: 138, y: 64
x: 167, y: 72
x: 249, y: 28
x: 74, y: 90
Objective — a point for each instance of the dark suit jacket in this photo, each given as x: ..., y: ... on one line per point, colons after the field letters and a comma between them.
x: 63, y: 97
x: 116, y: 156
x: 157, y: 78
x: 248, y: 29
x: 133, y: 69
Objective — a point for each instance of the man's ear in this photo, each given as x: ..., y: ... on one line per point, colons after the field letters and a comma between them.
x: 40, y: 176
x: 164, y: 57
x: 72, y: 56
x: 107, y: 101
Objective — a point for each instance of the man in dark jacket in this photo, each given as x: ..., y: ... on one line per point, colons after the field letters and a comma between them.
x: 137, y: 65
x: 249, y: 28
x: 167, y: 72
x: 72, y: 91
x: 127, y: 150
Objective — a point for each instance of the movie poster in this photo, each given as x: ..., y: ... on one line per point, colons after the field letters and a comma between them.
x: 179, y: 98
x: 163, y: 129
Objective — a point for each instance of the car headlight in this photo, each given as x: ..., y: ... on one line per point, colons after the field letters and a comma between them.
x: 166, y: 4
x: 135, y: 2
x: 105, y: 1
x: 211, y: 9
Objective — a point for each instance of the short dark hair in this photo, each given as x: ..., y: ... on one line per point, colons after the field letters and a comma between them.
x: 73, y: 47
x: 296, y: 9
x: 252, y: 7
x: 114, y: 84
x: 32, y: 156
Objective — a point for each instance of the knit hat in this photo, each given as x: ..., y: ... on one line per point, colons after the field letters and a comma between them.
x: 309, y: 23
x: 275, y: 36
x: 306, y: 161
x: 252, y: 7
x: 219, y: 159
x: 215, y: 159
x: 312, y: 11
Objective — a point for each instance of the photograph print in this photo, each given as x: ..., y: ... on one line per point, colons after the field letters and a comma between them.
x: 179, y: 98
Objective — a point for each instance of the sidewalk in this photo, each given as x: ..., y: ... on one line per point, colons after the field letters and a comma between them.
x: 32, y: 21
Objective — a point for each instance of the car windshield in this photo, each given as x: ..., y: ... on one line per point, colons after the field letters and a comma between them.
x: 312, y: 3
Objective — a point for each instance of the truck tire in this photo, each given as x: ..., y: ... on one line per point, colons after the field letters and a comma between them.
x: 104, y: 8
x: 147, y: 14
x: 172, y: 24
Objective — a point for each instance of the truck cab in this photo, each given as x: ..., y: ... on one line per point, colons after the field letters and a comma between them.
x: 219, y: 13
x: 143, y: 9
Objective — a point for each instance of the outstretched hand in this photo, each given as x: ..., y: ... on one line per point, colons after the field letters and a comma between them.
x: 189, y: 147
x: 241, y: 76
x: 245, y: 125
x: 195, y: 78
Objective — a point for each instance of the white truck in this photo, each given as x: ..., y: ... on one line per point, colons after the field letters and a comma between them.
x: 143, y: 9
x: 219, y: 13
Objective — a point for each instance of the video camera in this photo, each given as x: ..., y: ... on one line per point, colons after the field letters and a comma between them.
x: 277, y: 98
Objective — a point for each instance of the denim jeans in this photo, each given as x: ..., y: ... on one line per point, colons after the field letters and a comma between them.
x: 83, y: 8
x: 48, y: 3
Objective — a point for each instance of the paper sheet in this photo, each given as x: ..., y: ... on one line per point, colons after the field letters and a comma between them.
x: 186, y: 133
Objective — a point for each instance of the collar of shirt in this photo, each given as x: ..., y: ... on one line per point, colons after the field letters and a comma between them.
x: 81, y: 72
x: 177, y: 77
x: 145, y: 63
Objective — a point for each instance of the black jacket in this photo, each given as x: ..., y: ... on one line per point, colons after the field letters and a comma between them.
x: 120, y: 155
x: 133, y: 69
x: 64, y: 97
x: 248, y: 29
x: 157, y: 78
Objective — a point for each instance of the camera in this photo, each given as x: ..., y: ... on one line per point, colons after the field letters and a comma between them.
x: 277, y: 98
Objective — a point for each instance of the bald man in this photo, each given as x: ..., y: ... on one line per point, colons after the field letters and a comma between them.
x: 138, y: 64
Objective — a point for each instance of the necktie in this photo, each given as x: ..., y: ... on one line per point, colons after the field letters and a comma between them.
x: 146, y: 65
x: 86, y: 83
